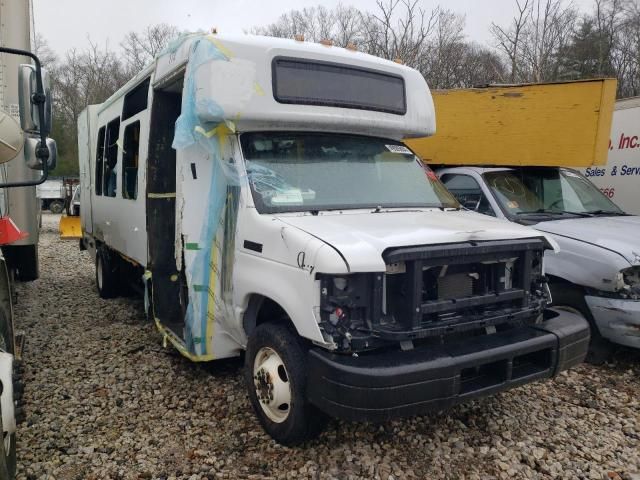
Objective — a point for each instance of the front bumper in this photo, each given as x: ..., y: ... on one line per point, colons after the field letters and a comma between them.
x: 380, y: 386
x: 617, y: 319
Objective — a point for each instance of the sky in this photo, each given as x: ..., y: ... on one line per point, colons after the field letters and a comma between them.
x: 67, y: 24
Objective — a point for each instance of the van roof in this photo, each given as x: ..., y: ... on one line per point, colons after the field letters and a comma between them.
x: 234, y: 75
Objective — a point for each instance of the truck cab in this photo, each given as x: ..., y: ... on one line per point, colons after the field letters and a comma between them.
x: 265, y: 199
x: 596, y: 270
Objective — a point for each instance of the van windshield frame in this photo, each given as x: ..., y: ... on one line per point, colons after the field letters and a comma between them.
x: 313, y: 171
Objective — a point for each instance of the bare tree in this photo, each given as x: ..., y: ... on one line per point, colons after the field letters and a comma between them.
x: 399, y: 30
x: 41, y: 48
x: 140, y: 48
x: 81, y: 78
x: 432, y: 42
x: 443, y: 55
x: 540, y: 32
x: 342, y: 26
x: 509, y: 38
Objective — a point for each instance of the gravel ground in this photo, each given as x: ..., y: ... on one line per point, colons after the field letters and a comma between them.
x: 104, y: 400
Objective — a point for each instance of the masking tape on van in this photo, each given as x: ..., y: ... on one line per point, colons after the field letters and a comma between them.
x: 203, y: 274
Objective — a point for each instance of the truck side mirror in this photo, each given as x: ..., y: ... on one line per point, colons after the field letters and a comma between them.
x: 31, y: 146
x: 11, y: 137
x: 27, y: 92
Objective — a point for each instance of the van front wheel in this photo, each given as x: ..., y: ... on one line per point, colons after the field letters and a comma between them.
x: 275, y: 373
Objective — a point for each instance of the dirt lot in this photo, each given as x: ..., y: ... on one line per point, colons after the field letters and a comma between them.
x: 104, y: 400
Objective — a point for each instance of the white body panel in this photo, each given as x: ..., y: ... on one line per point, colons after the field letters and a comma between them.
x: 619, y: 179
x: 116, y: 221
x: 87, y: 122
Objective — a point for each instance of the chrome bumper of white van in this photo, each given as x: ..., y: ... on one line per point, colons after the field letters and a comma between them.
x: 618, y: 320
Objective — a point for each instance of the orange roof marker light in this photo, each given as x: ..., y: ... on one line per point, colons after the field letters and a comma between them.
x: 298, y: 38
x: 326, y: 42
x: 352, y: 46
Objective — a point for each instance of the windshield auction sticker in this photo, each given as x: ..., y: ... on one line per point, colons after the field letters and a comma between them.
x: 399, y: 149
x: 287, y: 197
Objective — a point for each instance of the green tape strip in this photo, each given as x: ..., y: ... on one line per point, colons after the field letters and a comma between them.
x: 200, y: 288
x: 192, y: 246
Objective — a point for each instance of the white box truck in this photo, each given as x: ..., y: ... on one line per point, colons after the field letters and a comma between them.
x: 52, y: 195
x: 260, y: 189
x: 620, y: 177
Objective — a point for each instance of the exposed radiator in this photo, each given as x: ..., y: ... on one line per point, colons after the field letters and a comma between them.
x: 457, y: 285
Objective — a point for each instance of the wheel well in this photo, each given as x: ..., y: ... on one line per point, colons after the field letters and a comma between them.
x: 553, y: 280
x: 262, y: 309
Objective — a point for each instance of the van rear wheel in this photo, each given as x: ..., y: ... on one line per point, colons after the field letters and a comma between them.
x: 106, y: 274
x: 276, y: 377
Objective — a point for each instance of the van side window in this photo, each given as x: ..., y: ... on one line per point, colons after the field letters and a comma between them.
x: 109, y: 185
x: 99, y: 161
x: 136, y: 100
x: 467, y: 191
x: 130, y: 150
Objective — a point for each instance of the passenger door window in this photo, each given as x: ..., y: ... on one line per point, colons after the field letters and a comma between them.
x: 111, y: 158
x: 130, y: 153
x: 468, y: 192
x: 100, y: 160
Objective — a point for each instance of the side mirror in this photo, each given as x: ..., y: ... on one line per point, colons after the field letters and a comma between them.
x: 27, y: 89
x: 31, y: 146
x: 11, y: 137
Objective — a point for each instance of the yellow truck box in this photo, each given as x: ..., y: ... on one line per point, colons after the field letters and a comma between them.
x: 553, y: 124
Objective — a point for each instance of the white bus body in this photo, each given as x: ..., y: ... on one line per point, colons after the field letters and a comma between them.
x: 261, y: 189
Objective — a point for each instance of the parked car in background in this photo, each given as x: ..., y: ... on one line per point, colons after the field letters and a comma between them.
x: 597, y: 269
x: 502, y: 150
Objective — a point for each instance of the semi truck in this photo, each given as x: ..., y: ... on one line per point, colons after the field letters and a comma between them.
x: 27, y: 155
x: 20, y: 202
x: 258, y: 190
x: 518, y: 160
x: 618, y: 179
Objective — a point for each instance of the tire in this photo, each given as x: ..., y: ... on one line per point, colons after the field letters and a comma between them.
x: 56, y: 206
x: 23, y: 260
x: 8, y: 463
x: 106, y: 274
x: 275, y: 372
x: 565, y: 295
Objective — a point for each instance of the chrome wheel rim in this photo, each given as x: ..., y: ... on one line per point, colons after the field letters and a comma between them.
x: 272, y: 386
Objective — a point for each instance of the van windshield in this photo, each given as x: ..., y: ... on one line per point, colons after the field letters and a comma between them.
x: 291, y: 172
x: 549, y: 192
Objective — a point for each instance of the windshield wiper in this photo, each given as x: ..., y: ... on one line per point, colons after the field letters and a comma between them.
x: 606, y: 212
x: 551, y: 212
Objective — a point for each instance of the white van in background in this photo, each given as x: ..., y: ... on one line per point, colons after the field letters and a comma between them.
x: 619, y: 179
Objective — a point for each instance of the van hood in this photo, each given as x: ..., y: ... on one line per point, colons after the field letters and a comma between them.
x: 362, y: 237
x: 618, y: 234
